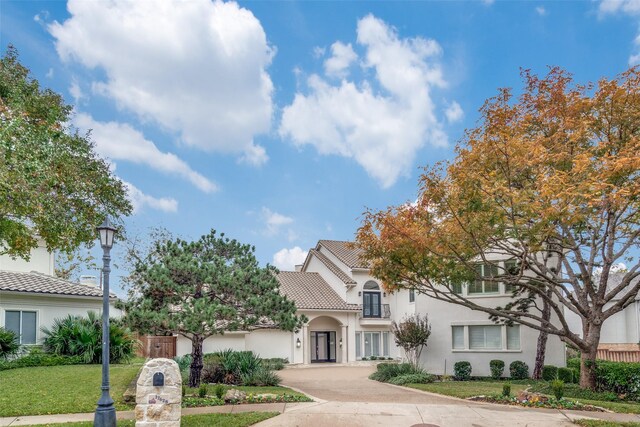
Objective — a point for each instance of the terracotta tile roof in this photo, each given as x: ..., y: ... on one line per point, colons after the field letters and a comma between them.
x: 349, y: 256
x: 43, y: 284
x: 310, y: 291
x: 332, y: 267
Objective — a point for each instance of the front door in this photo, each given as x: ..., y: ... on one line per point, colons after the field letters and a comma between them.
x: 323, y: 346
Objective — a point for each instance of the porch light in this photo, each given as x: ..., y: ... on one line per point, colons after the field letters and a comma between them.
x: 106, y: 231
x: 359, y: 293
x: 340, y: 342
x: 298, y: 343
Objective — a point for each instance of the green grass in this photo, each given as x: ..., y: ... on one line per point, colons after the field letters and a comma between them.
x: 603, y: 423
x: 605, y: 400
x: 60, y: 389
x: 240, y: 419
x: 464, y: 389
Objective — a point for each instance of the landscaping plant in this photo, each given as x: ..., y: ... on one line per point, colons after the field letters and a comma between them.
x: 82, y: 336
x: 417, y: 378
x: 519, y: 370
x: 506, y: 389
x: 622, y: 378
x: 9, y: 343
x: 549, y: 372
x: 462, y: 371
x: 497, y: 368
x: 386, y: 371
x: 557, y: 386
x: 202, y: 390
x: 411, y: 334
x: 219, y: 391
x: 566, y: 375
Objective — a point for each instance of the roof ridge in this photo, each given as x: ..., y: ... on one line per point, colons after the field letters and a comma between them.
x: 337, y: 271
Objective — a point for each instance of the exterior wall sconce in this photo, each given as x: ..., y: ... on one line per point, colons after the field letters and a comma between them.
x: 384, y: 294
x: 340, y: 342
x: 359, y: 293
x: 298, y: 343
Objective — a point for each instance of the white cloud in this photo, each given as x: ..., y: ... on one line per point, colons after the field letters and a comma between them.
x: 381, y: 129
x: 140, y: 200
x: 454, y: 112
x: 274, y: 221
x: 50, y: 73
x: 630, y: 7
x: 119, y: 141
x: 287, y: 259
x: 342, y: 55
x: 197, y: 68
x: 76, y: 91
x: 540, y: 10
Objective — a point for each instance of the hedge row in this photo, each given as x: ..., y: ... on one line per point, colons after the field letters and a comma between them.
x: 518, y: 370
x: 40, y: 359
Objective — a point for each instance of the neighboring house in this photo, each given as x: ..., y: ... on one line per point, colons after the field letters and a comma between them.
x: 31, y: 297
x: 620, y: 334
x: 350, y: 318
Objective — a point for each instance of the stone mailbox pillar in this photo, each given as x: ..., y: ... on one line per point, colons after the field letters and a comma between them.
x: 159, y: 394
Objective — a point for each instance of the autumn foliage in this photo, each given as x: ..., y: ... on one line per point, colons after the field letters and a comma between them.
x: 549, y: 179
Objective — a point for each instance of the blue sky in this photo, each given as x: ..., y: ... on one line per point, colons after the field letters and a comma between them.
x: 280, y: 122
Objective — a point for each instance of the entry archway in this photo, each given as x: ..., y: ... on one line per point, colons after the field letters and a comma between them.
x: 325, y: 340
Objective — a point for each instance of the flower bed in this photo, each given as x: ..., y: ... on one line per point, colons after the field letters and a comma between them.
x: 533, y: 400
x: 196, y: 401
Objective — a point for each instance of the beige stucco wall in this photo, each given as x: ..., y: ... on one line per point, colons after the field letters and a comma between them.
x: 41, y: 261
x: 620, y: 328
x: 50, y: 307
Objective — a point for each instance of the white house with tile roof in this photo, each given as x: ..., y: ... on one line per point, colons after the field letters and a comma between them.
x: 350, y: 316
x: 31, y: 297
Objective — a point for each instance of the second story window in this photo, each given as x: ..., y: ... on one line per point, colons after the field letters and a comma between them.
x: 412, y: 295
x: 371, y: 306
x: 483, y: 283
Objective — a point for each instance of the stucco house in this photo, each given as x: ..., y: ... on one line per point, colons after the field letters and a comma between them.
x: 350, y: 318
x: 32, y: 297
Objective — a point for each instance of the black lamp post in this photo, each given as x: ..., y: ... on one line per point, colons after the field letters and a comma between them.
x: 105, y: 412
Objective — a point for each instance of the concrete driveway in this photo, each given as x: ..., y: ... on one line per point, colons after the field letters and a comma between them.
x: 346, y: 397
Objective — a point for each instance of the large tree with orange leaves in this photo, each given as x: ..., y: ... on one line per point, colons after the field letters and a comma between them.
x: 549, y: 179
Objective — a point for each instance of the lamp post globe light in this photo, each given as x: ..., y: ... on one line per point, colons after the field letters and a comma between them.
x: 105, y: 411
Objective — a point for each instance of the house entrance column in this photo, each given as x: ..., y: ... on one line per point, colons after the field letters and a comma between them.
x: 306, y: 348
x: 345, y: 344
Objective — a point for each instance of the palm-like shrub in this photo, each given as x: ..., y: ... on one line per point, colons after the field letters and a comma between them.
x: 9, y: 343
x: 82, y: 336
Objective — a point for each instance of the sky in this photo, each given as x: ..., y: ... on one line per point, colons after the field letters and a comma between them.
x: 280, y: 122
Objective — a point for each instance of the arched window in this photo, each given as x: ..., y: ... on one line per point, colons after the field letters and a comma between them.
x: 371, y: 300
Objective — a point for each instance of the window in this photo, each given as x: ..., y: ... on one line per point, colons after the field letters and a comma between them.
x: 23, y: 323
x: 385, y: 344
x: 412, y: 295
x: 456, y: 288
x: 482, y: 286
x: 510, y: 269
x: 513, y: 337
x: 457, y: 337
x: 371, y: 300
x: 485, y: 337
x: 375, y: 344
x: 358, y: 346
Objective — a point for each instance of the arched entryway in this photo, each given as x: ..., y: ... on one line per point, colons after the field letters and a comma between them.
x: 325, y: 340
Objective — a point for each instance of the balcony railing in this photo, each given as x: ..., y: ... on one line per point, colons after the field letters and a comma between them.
x: 385, y: 313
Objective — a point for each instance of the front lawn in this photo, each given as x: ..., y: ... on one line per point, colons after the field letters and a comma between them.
x: 241, y: 419
x: 61, y: 389
x: 464, y: 389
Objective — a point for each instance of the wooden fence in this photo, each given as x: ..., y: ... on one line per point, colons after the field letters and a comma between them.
x: 157, y: 346
x: 619, y: 354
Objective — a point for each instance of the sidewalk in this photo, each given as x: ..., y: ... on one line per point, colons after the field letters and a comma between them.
x: 130, y: 415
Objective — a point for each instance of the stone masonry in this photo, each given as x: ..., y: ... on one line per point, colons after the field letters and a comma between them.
x: 159, y: 406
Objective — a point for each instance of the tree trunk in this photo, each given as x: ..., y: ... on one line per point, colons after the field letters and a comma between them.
x: 542, y: 342
x: 195, y: 369
x: 588, y: 357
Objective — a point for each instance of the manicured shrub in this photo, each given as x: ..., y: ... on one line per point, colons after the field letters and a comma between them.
x: 462, y: 371
x: 386, y: 371
x: 418, y: 378
x: 519, y: 370
x: 497, y: 368
x: 202, y: 391
x: 212, y: 372
x: 557, y: 386
x: 9, y: 343
x: 40, y: 359
x: 565, y: 375
x: 549, y: 372
x: 82, y: 336
x: 262, y: 378
x: 574, y: 363
x: 622, y: 378
x: 506, y: 389
x: 576, y: 375
x: 374, y: 358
